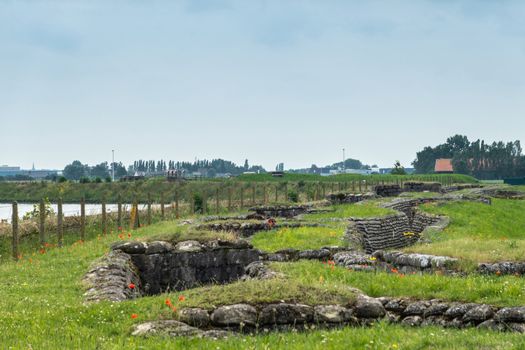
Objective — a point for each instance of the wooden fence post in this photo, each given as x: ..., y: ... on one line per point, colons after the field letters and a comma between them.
x: 82, y: 219
x: 242, y: 197
x: 192, y: 203
x: 60, y: 226
x: 229, y: 199
x: 149, y: 209
x: 360, y: 188
x: 104, y: 217
x: 42, y: 224
x: 204, y: 203
x: 14, y: 222
x: 254, y: 191
x: 285, y: 192
x: 177, y: 214
x: 136, y: 219
x: 265, y: 199
x: 276, y: 193
x: 217, y: 200
x: 119, y: 212
x: 162, y: 212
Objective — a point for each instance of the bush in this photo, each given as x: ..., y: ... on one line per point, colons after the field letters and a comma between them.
x: 84, y: 180
x: 108, y: 179
x: 61, y: 179
x: 98, y: 180
x: 198, y: 203
x: 293, y: 196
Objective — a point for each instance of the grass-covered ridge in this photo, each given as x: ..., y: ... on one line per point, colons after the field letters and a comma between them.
x: 478, y: 232
x: 501, y: 291
x: 345, y: 211
x: 300, y: 238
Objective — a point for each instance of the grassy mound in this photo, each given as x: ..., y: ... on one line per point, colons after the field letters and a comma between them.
x: 301, y: 238
x: 479, y: 232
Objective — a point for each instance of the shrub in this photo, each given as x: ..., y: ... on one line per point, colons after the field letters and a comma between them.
x: 198, y: 203
x: 98, y: 180
x: 293, y: 196
x: 61, y: 179
x: 108, y: 179
x: 84, y: 180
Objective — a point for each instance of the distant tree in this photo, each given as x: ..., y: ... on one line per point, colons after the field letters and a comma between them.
x: 398, y: 169
x: 100, y: 170
x: 75, y: 170
x: 120, y: 170
x: 246, y: 165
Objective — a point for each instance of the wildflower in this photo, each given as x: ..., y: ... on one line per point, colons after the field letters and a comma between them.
x: 120, y: 228
x: 42, y: 251
x: 121, y: 236
x: 182, y: 298
x: 134, y: 316
x: 408, y: 234
x: 168, y: 302
x: 373, y: 258
x: 129, y: 235
x: 394, y: 270
x: 498, y: 273
x: 131, y: 286
x: 321, y: 279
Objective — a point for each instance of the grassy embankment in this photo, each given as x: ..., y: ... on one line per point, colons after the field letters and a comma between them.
x: 42, y: 298
x: 479, y: 232
x: 42, y: 305
x: 305, y: 185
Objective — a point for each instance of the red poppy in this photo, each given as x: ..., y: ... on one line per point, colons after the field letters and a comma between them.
x: 131, y: 286
x: 168, y: 302
x: 134, y: 316
x: 182, y: 298
x: 498, y: 273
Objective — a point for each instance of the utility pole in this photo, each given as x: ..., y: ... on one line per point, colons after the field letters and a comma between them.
x: 113, y: 165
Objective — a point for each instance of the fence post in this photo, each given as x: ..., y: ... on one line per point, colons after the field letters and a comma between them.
x: 162, y: 212
x: 265, y: 200
x: 204, y: 203
x: 229, y: 198
x: 60, y: 227
x: 119, y: 212
x: 149, y: 209
x: 217, y: 200
x: 136, y: 220
x: 83, y: 219
x: 254, y: 190
x: 276, y: 193
x: 242, y: 197
x: 333, y: 184
x: 285, y: 192
x: 192, y: 203
x: 177, y: 214
x: 104, y: 218
x: 360, y: 188
x: 42, y: 225
x: 14, y: 222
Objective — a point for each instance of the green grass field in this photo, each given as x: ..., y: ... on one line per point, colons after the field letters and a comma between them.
x: 42, y: 295
x: 479, y: 232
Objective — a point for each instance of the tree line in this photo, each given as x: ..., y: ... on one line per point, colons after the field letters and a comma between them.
x: 208, y: 168
x: 496, y: 160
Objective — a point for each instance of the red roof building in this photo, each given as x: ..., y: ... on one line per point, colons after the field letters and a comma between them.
x: 443, y: 166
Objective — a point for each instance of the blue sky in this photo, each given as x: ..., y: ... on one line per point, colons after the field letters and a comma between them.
x: 271, y: 81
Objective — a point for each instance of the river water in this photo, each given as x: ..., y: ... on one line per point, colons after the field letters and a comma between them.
x: 6, y: 209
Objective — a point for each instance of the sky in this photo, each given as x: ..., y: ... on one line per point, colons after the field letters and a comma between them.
x: 272, y: 81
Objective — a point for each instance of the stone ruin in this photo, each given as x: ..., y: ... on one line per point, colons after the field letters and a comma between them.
x: 420, y: 186
x: 158, y: 267
x: 225, y: 320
